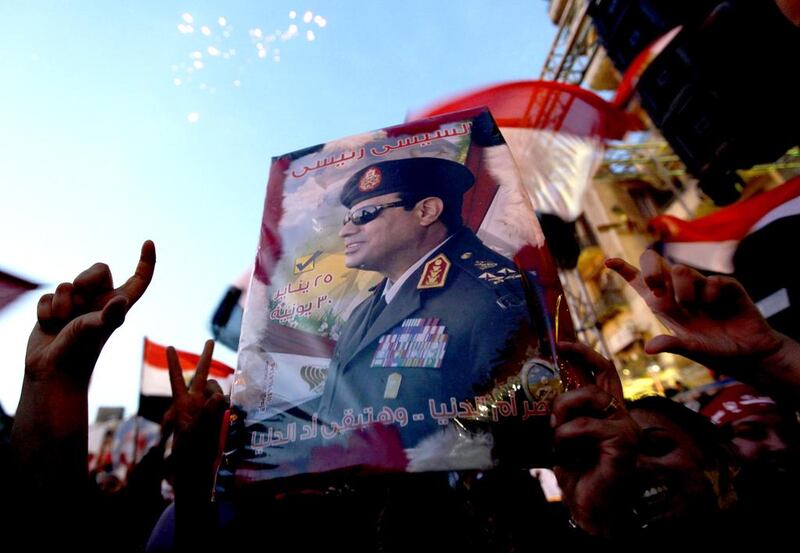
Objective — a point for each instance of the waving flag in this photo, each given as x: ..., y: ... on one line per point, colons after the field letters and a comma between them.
x: 709, y: 243
x: 11, y: 287
x: 556, y: 133
x: 156, y: 393
x: 751, y: 240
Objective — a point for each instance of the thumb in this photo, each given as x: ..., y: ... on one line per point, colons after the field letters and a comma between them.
x: 93, y: 329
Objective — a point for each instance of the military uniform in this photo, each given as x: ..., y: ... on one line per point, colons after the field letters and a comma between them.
x: 437, y: 339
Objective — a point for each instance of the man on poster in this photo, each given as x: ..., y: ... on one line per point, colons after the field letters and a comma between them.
x: 446, y: 313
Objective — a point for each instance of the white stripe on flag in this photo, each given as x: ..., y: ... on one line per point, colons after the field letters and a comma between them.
x: 155, y: 381
x: 792, y: 207
x: 710, y: 256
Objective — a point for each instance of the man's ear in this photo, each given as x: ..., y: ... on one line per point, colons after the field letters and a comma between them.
x: 429, y: 210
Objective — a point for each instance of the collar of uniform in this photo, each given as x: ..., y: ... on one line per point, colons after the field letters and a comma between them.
x: 391, y: 288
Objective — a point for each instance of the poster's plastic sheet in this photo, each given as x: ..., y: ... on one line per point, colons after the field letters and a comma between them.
x: 403, y: 310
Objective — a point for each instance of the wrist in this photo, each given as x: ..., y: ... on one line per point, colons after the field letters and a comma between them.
x: 778, y: 373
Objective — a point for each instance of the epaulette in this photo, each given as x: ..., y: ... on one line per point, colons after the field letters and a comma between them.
x: 493, y: 271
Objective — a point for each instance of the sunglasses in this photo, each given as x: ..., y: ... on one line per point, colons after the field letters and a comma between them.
x: 364, y: 215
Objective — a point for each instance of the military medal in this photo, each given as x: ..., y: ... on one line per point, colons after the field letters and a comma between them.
x: 392, y: 386
x: 415, y: 343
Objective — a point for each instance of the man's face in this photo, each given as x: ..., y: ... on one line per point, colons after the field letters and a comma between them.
x: 766, y: 440
x: 378, y: 244
x: 675, y: 479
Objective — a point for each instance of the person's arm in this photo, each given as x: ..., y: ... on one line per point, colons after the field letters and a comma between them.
x: 596, y: 444
x: 50, y: 432
x: 715, y: 323
x: 197, y: 412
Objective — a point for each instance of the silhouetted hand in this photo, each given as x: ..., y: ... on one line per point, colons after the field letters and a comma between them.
x: 712, y: 319
x: 75, y: 322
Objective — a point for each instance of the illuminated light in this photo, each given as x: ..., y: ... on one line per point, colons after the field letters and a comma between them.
x: 277, y: 59
x: 310, y: 35
x: 193, y: 117
x: 262, y: 54
x: 271, y: 38
x: 292, y: 14
x: 213, y: 51
x: 185, y: 29
x: 237, y: 82
x: 292, y: 28
x: 260, y: 46
x: 197, y: 64
x: 256, y: 32
x: 222, y: 21
x: 197, y: 54
x: 205, y: 30
x: 188, y: 17
x: 320, y: 21
x: 176, y: 81
x: 307, y: 17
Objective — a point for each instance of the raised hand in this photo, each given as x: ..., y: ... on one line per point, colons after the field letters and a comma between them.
x: 712, y: 319
x: 75, y: 322
x: 595, y: 443
x: 50, y: 432
x: 197, y: 416
x: 197, y: 412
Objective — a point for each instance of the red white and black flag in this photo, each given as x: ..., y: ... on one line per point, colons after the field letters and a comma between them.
x: 751, y: 240
x: 156, y: 394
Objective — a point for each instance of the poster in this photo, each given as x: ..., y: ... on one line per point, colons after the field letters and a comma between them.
x: 402, y: 313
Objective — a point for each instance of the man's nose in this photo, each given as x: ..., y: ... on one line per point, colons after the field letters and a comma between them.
x: 775, y: 442
x: 347, y: 229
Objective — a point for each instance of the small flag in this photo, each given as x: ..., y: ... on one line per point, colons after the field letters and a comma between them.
x: 156, y: 393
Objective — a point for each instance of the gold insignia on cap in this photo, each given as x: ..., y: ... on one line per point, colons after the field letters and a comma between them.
x: 484, y: 265
x: 434, y: 273
x: 466, y: 255
x: 370, y: 180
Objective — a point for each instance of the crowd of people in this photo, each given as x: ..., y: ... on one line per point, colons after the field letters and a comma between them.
x: 649, y: 468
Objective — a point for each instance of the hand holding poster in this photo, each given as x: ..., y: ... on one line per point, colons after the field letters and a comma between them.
x: 403, y: 310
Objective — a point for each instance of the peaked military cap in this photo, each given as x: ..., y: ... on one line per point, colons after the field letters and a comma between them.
x: 421, y: 176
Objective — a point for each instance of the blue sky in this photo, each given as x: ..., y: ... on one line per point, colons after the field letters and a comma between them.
x: 123, y: 121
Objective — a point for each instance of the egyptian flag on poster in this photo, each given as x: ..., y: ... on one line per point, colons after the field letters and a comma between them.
x: 156, y: 393
x: 751, y: 240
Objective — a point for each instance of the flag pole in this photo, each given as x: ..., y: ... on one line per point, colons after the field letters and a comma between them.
x: 136, y: 419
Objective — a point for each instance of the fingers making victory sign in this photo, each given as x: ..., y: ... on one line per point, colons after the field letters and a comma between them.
x: 190, y: 402
x: 197, y: 411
